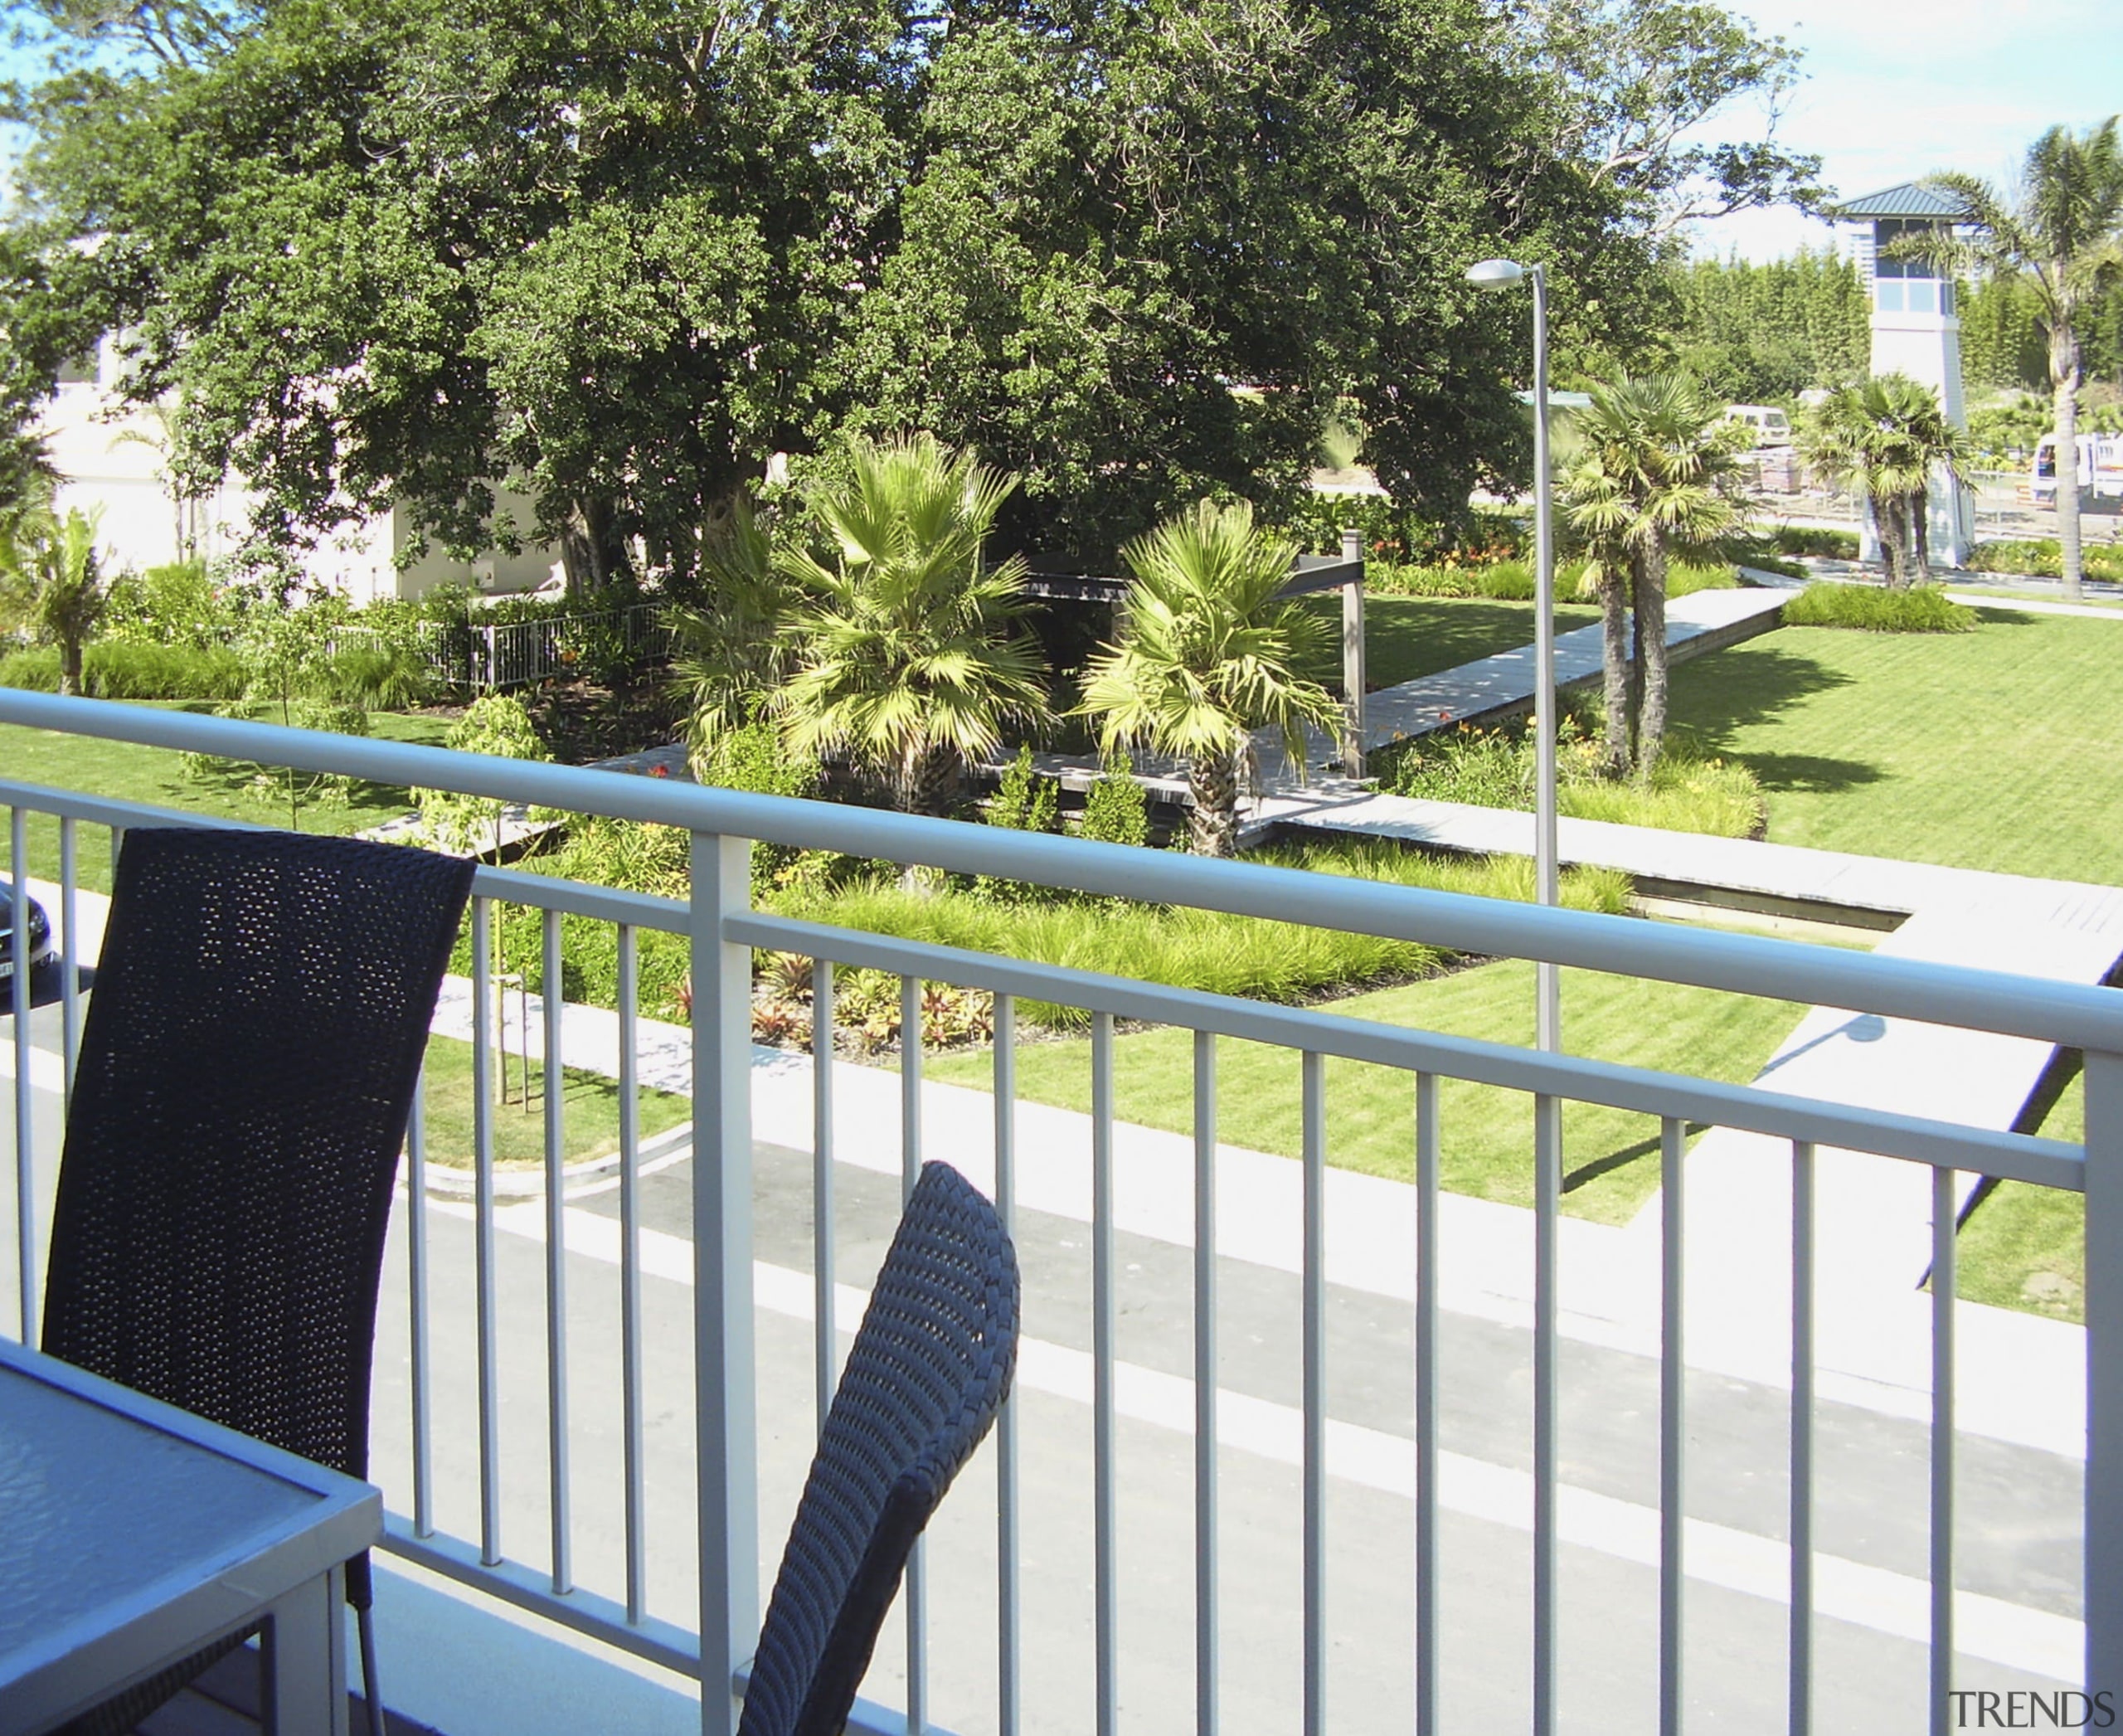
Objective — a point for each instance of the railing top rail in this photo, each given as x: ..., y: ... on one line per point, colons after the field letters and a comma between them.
x: 2074, y: 1015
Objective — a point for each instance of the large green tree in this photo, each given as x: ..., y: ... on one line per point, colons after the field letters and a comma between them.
x: 1208, y: 652
x: 1764, y: 333
x: 1135, y: 250
x: 2060, y: 233
x: 397, y: 251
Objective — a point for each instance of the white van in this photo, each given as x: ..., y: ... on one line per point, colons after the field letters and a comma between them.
x: 2100, y: 467
x: 1770, y: 425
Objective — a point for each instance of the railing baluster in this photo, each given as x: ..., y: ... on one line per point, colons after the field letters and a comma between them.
x: 726, y: 1397
x: 1008, y: 1616
x: 1943, y: 1283
x: 1799, y: 1693
x: 18, y: 1002
x: 1427, y: 1168
x: 916, y: 1594
x: 1106, y: 1585
x: 69, y: 955
x: 2102, y: 1545
x: 825, y: 1343
x: 417, y: 1301
x: 1547, y: 1201
x: 483, y: 1233
x: 1205, y: 1384
x: 554, y: 1078
x: 1313, y: 1071
x: 630, y: 1394
x: 1673, y: 1403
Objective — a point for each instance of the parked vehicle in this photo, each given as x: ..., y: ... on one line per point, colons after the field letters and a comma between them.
x: 2100, y: 467
x: 40, y: 932
x: 1770, y: 425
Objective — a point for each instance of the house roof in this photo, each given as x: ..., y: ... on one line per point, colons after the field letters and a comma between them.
x: 1907, y: 199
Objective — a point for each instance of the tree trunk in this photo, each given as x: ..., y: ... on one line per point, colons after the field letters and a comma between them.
x: 69, y: 666
x: 2064, y: 387
x: 1212, y: 780
x: 929, y: 781
x: 1614, y: 646
x: 1651, y: 659
x: 1636, y: 661
x: 590, y: 552
x: 1894, y: 535
x: 1920, y: 536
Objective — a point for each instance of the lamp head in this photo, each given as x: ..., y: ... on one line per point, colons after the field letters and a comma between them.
x: 1495, y: 274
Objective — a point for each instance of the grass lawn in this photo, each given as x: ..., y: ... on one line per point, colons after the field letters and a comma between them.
x: 1610, y: 1158
x: 1996, y: 749
x: 2025, y: 1247
x: 1408, y: 637
x: 128, y: 772
x: 2054, y: 594
x: 589, y: 1117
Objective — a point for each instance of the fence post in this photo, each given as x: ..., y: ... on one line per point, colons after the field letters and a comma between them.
x: 2104, y: 1294
x: 725, y: 1398
x: 487, y: 685
x: 1353, y: 675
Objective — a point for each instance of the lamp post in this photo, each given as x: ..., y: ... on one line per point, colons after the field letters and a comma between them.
x: 1500, y: 274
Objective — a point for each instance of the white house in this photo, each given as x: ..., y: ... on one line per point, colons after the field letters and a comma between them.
x: 111, y: 457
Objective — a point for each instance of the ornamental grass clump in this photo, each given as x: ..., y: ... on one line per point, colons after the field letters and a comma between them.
x: 1922, y: 609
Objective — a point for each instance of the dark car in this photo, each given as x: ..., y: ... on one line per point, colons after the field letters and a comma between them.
x: 40, y: 935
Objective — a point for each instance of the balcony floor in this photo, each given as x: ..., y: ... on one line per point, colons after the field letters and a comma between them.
x: 224, y: 1702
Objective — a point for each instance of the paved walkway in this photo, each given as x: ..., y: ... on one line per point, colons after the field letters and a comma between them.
x: 1489, y: 689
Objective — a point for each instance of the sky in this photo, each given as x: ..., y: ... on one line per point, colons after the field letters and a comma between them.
x: 1896, y: 89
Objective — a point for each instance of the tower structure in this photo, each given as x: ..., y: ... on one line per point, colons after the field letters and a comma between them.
x: 1915, y: 329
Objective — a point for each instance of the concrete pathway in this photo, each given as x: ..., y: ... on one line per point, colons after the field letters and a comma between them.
x: 1485, y: 690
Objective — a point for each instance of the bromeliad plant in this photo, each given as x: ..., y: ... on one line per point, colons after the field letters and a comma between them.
x: 1207, y: 653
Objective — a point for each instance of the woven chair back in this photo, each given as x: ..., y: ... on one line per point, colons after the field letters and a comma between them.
x: 252, y: 1043
x: 929, y: 1369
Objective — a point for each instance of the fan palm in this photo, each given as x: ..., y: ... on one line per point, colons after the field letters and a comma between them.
x: 52, y: 584
x: 1651, y: 484
x: 730, y: 652
x: 2060, y: 231
x: 907, y: 656
x: 1206, y: 654
x: 1885, y: 437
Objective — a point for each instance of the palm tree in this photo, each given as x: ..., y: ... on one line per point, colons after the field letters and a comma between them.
x: 1651, y: 485
x: 907, y: 656
x: 1885, y: 437
x: 1206, y: 654
x: 2060, y: 231
x: 734, y: 650
x: 52, y: 584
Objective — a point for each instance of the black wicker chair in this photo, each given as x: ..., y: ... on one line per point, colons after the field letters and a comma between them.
x: 929, y: 1369
x: 247, y: 1065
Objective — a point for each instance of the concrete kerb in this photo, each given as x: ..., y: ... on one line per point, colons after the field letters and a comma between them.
x: 447, y: 1181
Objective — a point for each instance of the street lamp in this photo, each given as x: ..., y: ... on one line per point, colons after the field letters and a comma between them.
x: 1501, y: 273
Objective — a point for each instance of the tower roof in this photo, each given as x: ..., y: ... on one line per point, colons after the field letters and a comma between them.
x: 1907, y: 199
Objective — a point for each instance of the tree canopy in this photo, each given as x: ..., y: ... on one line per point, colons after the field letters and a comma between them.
x: 395, y: 252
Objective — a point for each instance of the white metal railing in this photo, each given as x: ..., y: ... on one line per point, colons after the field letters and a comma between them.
x: 723, y: 931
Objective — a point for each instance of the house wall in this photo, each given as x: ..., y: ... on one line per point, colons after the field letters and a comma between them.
x: 111, y: 462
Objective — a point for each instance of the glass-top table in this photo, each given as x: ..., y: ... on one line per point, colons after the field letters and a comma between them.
x: 132, y: 1533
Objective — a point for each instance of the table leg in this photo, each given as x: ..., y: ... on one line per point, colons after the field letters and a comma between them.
x: 305, y: 1659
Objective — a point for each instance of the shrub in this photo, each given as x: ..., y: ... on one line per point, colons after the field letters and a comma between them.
x: 1117, y: 810
x: 1923, y: 609
x: 383, y: 677
x: 176, y: 604
x: 1804, y: 539
x: 753, y: 759
x: 2044, y: 557
x: 1503, y: 581
x: 132, y: 670
x: 1316, y: 523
